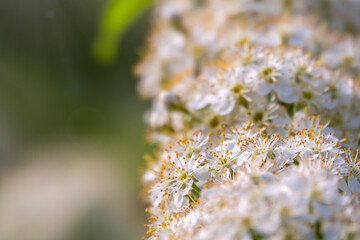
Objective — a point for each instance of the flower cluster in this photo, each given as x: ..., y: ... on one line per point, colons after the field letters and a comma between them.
x: 256, y: 113
x: 188, y: 33
x: 303, y: 204
x: 265, y: 85
x: 308, y: 162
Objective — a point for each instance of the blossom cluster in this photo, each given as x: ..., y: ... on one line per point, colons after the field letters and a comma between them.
x: 256, y: 115
x: 187, y: 33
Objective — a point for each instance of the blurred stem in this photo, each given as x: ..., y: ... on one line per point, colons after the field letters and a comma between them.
x: 118, y: 15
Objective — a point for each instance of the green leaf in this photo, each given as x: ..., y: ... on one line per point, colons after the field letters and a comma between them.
x: 117, y: 17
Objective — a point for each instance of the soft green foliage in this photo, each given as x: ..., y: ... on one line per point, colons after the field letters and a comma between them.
x: 117, y: 16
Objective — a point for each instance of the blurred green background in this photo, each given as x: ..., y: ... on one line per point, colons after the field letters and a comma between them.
x: 60, y: 110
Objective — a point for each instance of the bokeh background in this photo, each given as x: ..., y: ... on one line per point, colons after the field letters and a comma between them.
x: 71, y: 129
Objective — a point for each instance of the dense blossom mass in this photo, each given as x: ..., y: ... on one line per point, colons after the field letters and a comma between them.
x: 256, y: 115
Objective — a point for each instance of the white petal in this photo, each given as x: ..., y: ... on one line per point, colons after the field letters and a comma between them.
x: 354, y: 184
x: 263, y: 88
x: 283, y: 87
x: 224, y: 106
x: 178, y: 199
x: 288, y: 99
x: 200, y: 101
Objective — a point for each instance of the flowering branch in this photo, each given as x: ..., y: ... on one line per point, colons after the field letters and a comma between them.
x: 258, y: 138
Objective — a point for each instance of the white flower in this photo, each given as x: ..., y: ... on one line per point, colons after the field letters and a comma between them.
x: 271, y: 76
x: 223, y: 160
x: 191, y: 145
x: 351, y: 182
x: 238, y: 134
